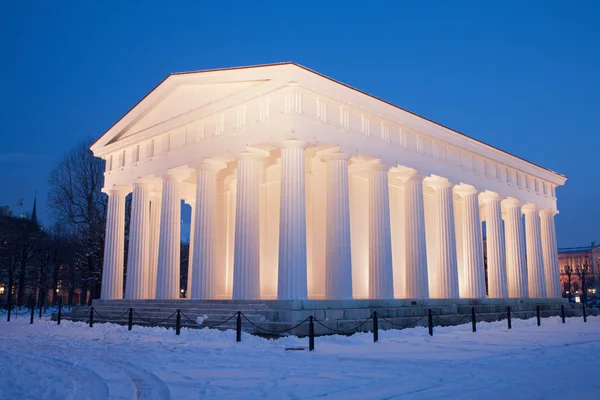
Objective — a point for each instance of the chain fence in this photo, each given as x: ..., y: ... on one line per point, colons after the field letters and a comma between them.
x: 371, y: 323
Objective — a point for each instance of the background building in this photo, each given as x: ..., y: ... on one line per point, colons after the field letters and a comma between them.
x: 583, y: 266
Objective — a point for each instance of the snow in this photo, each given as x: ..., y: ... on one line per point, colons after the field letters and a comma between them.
x: 72, y: 361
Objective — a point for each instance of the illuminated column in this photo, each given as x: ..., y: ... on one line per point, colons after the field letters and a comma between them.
x: 516, y: 270
x: 190, y: 277
x: 550, y: 253
x: 204, y: 257
x: 168, y: 274
x: 447, y: 266
x: 292, y: 284
x: 339, y: 252
x: 472, y: 281
x: 535, y: 262
x: 246, y: 256
x: 496, y: 249
x: 155, y: 210
x: 137, y: 256
x: 417, y: 286
x: 381, y: 285
x: 112, y: 270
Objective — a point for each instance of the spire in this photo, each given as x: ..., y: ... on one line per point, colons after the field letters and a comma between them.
x: 34, y: 212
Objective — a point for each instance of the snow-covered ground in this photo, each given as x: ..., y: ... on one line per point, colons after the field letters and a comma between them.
x: 72, y: 361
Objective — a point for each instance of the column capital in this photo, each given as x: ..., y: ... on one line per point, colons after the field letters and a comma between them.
x: 529, y: 208
x: 548, y: 212
x: 336, y: 156
x: 377, y: 167
x: 439, y: 183
x: 410, y: 174
x: 465, y: 190
x: 250, y: 155
x: 210, y: 165
x: 510, y: 203
x: 488, y: 196
x: 177, y: 174
x: 292, y: 143
x: 117, y: 190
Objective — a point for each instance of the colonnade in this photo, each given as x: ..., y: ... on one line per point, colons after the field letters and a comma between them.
x: 522, y: 261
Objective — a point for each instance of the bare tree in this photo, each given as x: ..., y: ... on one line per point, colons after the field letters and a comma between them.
x: 583, y: 272
x: 568, y: 271
x: 76, y: 201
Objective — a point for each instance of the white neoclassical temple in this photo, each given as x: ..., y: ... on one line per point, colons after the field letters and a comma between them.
x: 302, y: 187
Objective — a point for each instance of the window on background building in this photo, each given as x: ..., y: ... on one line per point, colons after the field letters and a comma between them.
x: 2, y: 290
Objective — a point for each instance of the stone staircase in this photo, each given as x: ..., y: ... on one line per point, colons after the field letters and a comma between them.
x: 269, y: 317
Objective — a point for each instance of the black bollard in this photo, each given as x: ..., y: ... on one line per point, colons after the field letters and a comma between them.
x: 311, y: 334
x: 8, y: 315
x: 41, y: 306
x: 178, y: 323
x: 375, y: 327
x: 238, y: 327
x: 32, y: 313
x: 59, y: 313
x: 91, y: 317
x: 562, y: 313
x: 473, y: 319
x: 508, y: 317
x: 537, y: 314
x: 430, y: 322
x: 130, y: 322
x: 584, y: 313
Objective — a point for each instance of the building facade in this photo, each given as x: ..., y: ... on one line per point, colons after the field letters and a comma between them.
x: 303, y: 187
x: 580, y: 271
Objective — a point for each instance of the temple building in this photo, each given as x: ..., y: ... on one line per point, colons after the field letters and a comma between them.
x: 302, y: 187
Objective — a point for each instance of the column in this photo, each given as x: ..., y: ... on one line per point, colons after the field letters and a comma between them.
x: 550, y: 253
x: 535, y: 262
x: 168, y: 275
x: 204, y: 257
x: 192, y: 204
x: 246, y: 258
x: 291, y: 282
x: 496, y: 249
x: 447, y: 266
x: 472, y: 282
x: 155, y: 211
x: 137, y: 256
x: 114, y: 244
x: 416, y: 250
x: 338, y: 278
x: 516, y: 270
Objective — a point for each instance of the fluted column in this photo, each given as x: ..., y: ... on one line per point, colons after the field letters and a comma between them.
x: 291, y: 282
x: 550, y: 253
x: 472, y: 281
x: 204, y: 257
x: 155, y: 211
x: 516, y: 271
x: 417, y: 285
x: 447, y: 266
x: 190, y: 281
x: 114, y: 244
x: 496, y: 248
x: 246, y: 256
x: 338, y: 276
x: 138, y: 254
x: 535, y: 262
x: 169, y: 274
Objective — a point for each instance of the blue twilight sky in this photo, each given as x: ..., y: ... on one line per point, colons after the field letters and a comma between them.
x: 521, y: 75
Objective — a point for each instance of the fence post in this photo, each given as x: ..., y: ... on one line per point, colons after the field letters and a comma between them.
x: 59, y: 313
x: 584, y: 313
x: 178, y: 323
x: 562, y: 313
x: 473, y: 319
x: 91, y: 317
x: 375, y: 327
x: 430, y: 322
x: 537, y: 314
x: 508, y: 317
x: 238, y: 327
x: 8, y: 315
x: 130, y: 322
x: 311, y: 334
x: 32, y: 313
x: 41, y: 305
